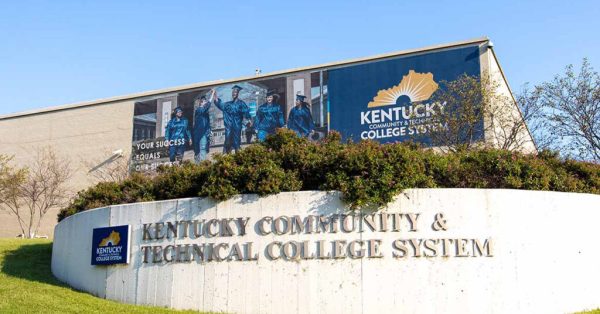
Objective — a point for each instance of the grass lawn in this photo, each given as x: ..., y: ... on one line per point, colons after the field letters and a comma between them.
x: 27, y: 285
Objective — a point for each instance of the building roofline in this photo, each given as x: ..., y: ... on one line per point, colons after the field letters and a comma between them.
x: 182, y: 88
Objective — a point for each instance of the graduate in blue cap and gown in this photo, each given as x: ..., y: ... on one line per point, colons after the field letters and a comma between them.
x: 234, y: 112
x: 177, y: 133
x: 201, y: 130
x: 300, y: 119
x: 269, y: 117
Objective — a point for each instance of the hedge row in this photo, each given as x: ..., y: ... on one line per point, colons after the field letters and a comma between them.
x: 367, y: 173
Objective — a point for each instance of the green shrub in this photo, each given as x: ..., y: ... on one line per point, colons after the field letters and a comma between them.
x: 136, y: 188
x: 177, y: 182
x: 256, y: 169
x: 367, y: 173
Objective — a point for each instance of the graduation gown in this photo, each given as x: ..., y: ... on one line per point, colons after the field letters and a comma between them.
x: 234, y: 112
x: 300, y: 120
x: 177, y: 129
x: 268, y: 118
x: 201, y: 126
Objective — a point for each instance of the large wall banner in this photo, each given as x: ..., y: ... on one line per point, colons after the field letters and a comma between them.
x: 387, y: 100
x: 192, y: 125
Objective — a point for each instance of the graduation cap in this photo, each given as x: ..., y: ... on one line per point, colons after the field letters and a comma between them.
x: 239, y: 88
x: 177, y: 109
x: 272, y: 92
x: 300, y: 97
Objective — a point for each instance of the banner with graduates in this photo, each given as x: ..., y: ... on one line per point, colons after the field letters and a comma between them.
x: 388, y: 100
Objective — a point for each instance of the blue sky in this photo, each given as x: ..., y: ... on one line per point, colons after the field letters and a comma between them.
x: 60, y: 52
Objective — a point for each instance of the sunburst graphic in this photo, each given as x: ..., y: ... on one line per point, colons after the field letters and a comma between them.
x: 414, y: 85
x: 114, y: 238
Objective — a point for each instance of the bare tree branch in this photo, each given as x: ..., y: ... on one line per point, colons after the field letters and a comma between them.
x: 477, y: 114
x: 572, y: 109
x: 534, y: 113
x: 29, y: 193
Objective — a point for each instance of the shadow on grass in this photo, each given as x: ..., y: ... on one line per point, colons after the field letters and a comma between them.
x: 31, y: 262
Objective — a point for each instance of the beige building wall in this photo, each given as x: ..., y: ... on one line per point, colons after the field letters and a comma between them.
x: 489, y: 67
x: 85, y: 135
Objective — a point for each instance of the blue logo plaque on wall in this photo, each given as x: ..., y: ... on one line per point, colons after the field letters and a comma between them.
x: 110, y: 245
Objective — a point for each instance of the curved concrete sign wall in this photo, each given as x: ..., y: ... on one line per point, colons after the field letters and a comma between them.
x: 430, y: 251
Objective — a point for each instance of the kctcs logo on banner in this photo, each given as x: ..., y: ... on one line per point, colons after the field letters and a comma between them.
x: 110, y: 245
x: 390, y: 100
x: 413, y: 116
